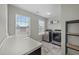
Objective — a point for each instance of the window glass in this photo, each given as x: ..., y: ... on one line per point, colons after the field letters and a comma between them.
x: 41, y: 26
x: 22, y: 21
x: 22, y: 25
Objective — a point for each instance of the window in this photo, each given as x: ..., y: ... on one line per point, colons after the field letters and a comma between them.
x: 22, y: 21
x: 41, y: 26
x: 22, y: 25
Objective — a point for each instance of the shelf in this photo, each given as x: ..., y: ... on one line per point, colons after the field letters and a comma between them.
x: 73, y: 34
x: 72, y: 46
x: 73, y: 21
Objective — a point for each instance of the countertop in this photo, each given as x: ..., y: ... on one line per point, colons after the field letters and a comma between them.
x: 19, y: 46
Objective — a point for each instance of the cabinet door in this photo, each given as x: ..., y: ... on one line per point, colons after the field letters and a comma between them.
x: 73, y: 38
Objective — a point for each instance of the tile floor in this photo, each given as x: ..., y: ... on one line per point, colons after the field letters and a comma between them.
x: 50, y: 49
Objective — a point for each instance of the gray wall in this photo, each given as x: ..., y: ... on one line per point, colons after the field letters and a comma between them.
x: 3, y: 18
x: 34, y: 21
x: 69, y: 12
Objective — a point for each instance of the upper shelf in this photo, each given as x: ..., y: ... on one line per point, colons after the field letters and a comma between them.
x: 73, y: 34
x: 73, y: 21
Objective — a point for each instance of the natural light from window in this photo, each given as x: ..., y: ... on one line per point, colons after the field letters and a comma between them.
x: 41, y: 26
x: 22, y: 25
x: 22, y: 21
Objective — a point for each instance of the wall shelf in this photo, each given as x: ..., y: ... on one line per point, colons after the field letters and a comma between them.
x: 72, y: 46
x: 73, y: 34
x: 69, y: 32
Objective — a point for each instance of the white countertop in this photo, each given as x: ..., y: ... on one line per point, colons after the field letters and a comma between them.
x: 19, y: 46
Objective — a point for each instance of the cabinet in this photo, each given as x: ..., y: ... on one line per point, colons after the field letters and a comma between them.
x: 36, y: 52
x: 72, y: 37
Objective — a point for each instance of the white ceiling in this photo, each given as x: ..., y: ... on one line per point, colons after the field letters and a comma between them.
x: 41, y: 9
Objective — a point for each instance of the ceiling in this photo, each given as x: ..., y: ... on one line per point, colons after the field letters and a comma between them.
x: 45, y: 10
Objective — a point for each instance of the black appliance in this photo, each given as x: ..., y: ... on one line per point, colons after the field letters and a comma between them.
x: 57, y: 36
x: 50, y: 34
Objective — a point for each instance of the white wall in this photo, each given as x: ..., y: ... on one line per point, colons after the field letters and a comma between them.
x: 3, y: 18
x: 33, y: 19
x: 69, y: 12
x: 54, y: 25
x: 55, y: 16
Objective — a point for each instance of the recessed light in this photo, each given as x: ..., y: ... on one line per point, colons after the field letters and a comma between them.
x: 48, y: 13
